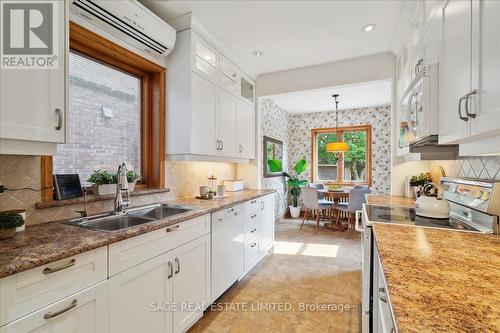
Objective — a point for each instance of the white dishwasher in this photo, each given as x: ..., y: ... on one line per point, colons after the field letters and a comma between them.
x: 228, y: 248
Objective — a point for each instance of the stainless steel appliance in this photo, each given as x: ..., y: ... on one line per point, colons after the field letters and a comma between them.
x: 474, y: 207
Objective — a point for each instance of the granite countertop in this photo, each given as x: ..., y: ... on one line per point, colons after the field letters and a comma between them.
x: 44, y: 243
x: 441, y: 280
x: 389, y: 200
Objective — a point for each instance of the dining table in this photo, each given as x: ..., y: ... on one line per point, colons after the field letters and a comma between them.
x: 335, y: 196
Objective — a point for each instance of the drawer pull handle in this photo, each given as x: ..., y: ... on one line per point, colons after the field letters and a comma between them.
x: 253, y: 230
x: 49, y: 315
x: 253, y: 245
x: 178, y: 266
x: 253, y: 201
x: 170, y: 270
x: 49, y: 270
x: 230, y: 210
x: 253, y: 216
x: 59, y: 119
x: 383, y: 299
x: 172, y: 229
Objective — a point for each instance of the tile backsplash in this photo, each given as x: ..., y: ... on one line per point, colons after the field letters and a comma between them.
x: 183, y: 178
x: 483, y: 167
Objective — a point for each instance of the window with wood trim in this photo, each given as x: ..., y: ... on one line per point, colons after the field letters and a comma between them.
x: 142, y: 86
x: 352, y: 167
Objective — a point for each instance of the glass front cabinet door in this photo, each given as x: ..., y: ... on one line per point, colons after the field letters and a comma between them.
x: 230, y: 77
x: 205, y: 60
x: 247, y: 89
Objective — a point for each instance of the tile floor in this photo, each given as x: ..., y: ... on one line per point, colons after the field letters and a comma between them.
x: 304, y: 270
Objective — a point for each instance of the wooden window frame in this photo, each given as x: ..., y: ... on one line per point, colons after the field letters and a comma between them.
x: 340, y: 166
x: 153, y: 76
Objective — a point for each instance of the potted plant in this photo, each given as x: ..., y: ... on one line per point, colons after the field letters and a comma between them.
x: 9, y: 221
x: 132, y: 178
x: 295, y: 184
x: 104, y: 182
x: 417, y: 182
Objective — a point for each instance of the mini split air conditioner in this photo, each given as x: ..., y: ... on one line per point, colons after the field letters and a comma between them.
x: 129, y: 21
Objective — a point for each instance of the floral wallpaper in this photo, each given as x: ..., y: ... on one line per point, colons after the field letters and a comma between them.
x: 379, y: 117
x: 275, y: 125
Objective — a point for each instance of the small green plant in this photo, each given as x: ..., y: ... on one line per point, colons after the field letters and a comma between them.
x: 295, y: 183
x: 101, y: 177
x: 418, y: 180
x: 10, y: 220
x: 132, y: 176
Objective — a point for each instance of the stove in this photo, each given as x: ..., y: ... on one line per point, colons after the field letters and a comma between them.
x: 407, y: 216
x: 474, y: 207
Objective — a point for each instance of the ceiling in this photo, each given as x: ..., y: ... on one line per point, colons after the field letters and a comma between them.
x: 351, y: 97
x: 292, y: 34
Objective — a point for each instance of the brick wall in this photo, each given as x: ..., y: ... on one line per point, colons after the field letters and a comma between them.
x: 96, y: 141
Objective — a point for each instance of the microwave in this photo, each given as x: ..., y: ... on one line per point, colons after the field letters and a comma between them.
x: 419, y: 107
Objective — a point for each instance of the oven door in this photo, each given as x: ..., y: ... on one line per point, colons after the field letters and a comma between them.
x: 366, y: 276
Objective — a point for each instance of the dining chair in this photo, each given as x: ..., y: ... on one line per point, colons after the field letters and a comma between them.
x: 312, y: 205
x: 356, y: 200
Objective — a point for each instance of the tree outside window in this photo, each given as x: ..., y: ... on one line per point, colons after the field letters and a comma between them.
x: 355, y: 167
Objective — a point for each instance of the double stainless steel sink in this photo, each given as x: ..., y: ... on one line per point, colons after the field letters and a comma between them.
x: 136, y: 216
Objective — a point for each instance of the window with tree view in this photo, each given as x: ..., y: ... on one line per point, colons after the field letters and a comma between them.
x: 355, y: 165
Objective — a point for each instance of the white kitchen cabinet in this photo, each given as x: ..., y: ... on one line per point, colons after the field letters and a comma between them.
x: 33, y: 106
x: 383, y: 321
x: 191, y: 282
x: 227, y: 124
x: 245, y: 120
x: 455, y: 75
x: 31, y: 290
x: 205, y: 93
x: 228, y: 227
x: 486, y: 66
x: 85, y: 311
x: 140, y: 297
x: 204, y: 135
x: 267, y: 223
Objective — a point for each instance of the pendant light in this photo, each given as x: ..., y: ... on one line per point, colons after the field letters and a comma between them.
x: 338, y: 146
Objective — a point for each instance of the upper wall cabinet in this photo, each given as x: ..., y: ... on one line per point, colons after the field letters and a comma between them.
x: 210, y: 104
x: 470, y: 71
x: 33, y: 106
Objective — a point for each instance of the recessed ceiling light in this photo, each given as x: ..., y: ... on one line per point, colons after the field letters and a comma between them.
x: 258, y: 53
x: 369, y: 27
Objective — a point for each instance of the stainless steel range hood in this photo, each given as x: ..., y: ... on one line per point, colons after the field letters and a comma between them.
x: 429, y: 149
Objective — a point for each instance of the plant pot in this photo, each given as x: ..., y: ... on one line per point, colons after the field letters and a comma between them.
x: 131, y: 187
x: 7, y: 233
x: 106, y: 189
x: 294, y: 211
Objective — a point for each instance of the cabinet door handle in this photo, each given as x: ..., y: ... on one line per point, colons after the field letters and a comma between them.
x: 253, y: 245
x: 218, y: 144
x: 49, y: 314
x: 253, y: 230
x: 49, y: 270
x: 178, y: 266
x: 170, y: 270
x: 174, y: 228
x: 460, y: 109
x: 59, y: 119
x: 469, y: 114
x: 241, y: 148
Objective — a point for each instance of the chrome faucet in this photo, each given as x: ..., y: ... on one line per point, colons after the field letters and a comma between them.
x: 121, y: 186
